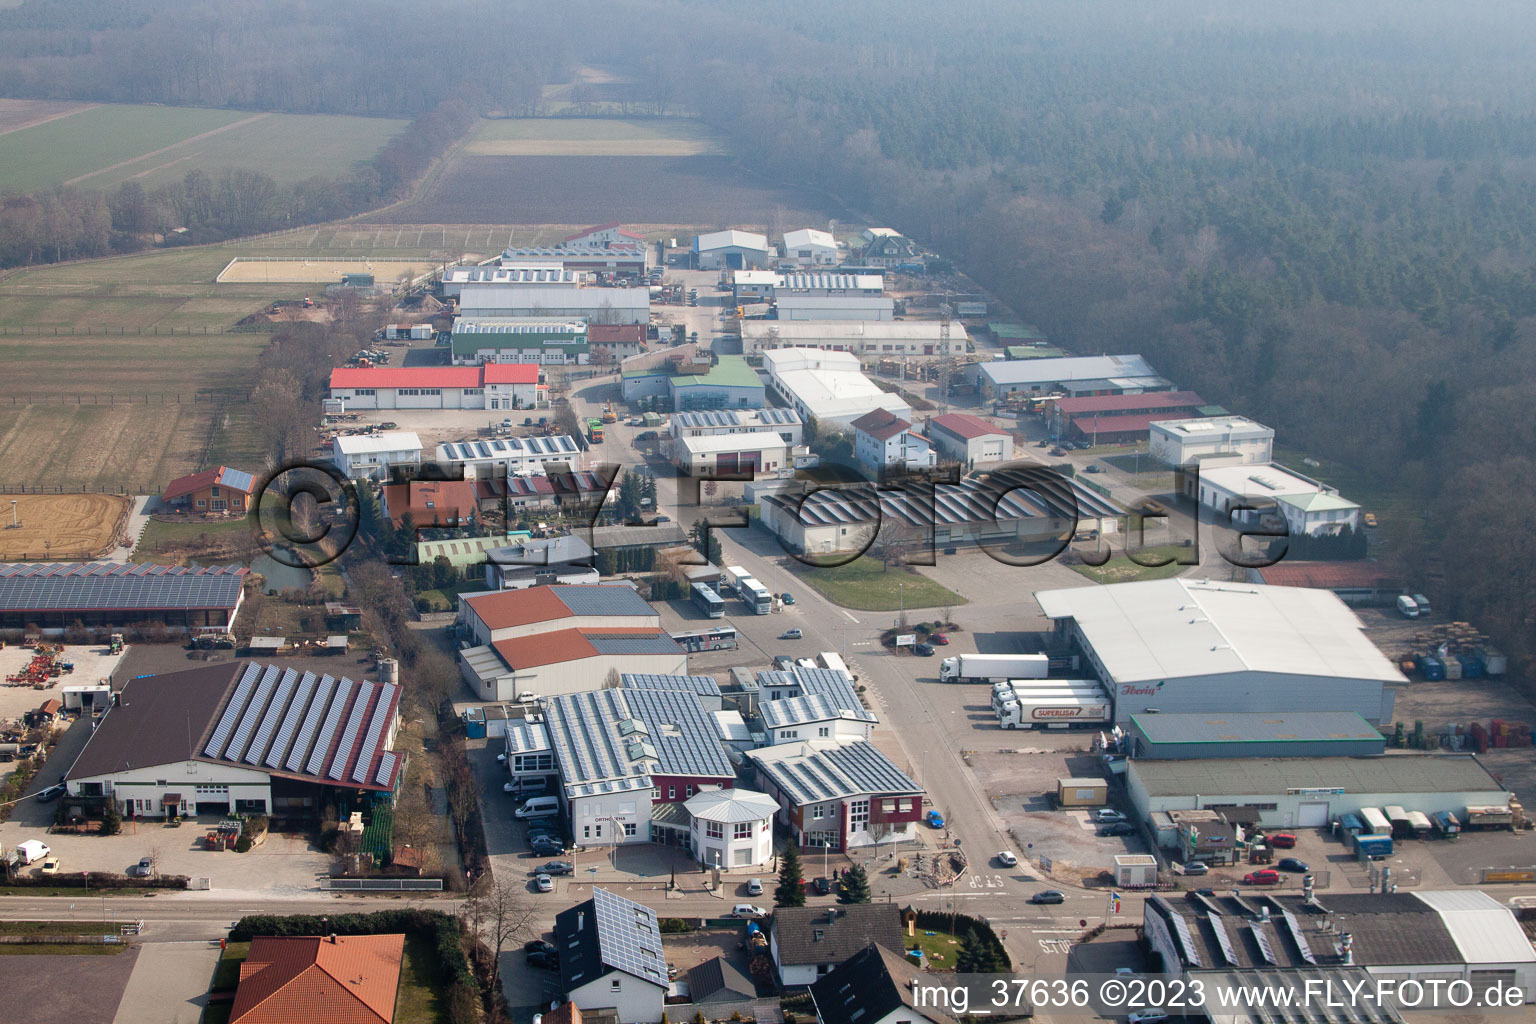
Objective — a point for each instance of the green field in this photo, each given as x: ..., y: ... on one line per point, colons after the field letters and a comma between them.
x: 102, y: 146
x: 1120, y: 569
x: 864, y: 585
x: 592, y: 136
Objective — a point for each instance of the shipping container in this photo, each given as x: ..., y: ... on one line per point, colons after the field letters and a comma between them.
x: 1082, y: 792
x: 1372, y: 847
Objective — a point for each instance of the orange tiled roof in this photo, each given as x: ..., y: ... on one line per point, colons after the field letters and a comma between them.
x: 313, y: 980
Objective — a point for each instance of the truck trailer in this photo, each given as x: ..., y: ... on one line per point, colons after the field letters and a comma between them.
x: 991, y: 668
x: 1026, y: 690
x: 1054, y: 712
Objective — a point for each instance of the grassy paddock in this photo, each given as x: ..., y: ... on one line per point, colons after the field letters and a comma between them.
x: 864, y: 585
x: 592, y: 136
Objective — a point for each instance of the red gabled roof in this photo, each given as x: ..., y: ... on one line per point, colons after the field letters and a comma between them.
x: 1115, y: 403
x: 598, y: 334
x: 510, y: 373
x: 1327, y: 575
x: 604, y: 227
x: 1138, y: 422
x: 431, y: 501
x: 406, y: 377
x: 207, y: 478
x: 313, y: 980
x: 965, y: 425
x: 881, y: 424
x: 562, y: 645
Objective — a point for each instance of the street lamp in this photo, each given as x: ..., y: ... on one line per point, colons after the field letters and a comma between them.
x: 826, y: 854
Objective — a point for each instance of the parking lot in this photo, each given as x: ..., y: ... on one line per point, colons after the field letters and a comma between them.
x: 93, y: 664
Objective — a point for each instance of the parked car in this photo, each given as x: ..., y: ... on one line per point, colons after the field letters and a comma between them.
x: 1207, y: 893
x: 50, y: 866
x: 1264, y: 876
x: 1107, y: 816
x: 934, y: 819
x: 546, y: 846
x: 558, y: 867
x: 1197, y: 867
x: 1094, y: 467
x: 791, y: 634
x: 1119, y: 828
x: 938, y: 639
x: 540, y: 946
x: 51, y: 794
x: 748, y: 910
x: 783, y: 663
x: 1371, y: 521
x: 1048, y: 896
x: 823, y: 886
x: 1283, y: 841
x: 754, y: 887
x: 1147, y: 1017
x: 543, y: 883
x: 787, y: 597
x: 1058, y: 451
x: 143, y: 868
x: 542, y: 960
x: 1007, y: 859
x: 1292, y: 865
x: 923, y: 650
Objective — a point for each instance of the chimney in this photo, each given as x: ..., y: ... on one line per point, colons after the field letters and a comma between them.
x: 1347, y: 949
x: 581, y: 920
x: 332, y: 938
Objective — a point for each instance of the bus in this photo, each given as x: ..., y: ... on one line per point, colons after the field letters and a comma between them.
x: 1376, y: 823
x: 595, y: 431
x: 708, y: 602
x: 757, y: 597
x: 722, y: 639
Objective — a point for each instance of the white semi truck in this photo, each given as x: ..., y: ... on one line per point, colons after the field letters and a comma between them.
x: 991, y: 668
x: 1055, y: 712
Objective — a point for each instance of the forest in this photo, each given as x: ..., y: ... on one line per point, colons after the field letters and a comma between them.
x: 1320, y: 215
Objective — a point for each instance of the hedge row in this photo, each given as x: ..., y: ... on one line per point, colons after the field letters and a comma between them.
x: 97, y: 880
x: 442, y: 930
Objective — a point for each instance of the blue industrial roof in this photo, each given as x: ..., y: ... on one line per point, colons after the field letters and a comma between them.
x: 633, y: 643
x: 111, y: 586
x: 603, y: 599
x: 809, y: 775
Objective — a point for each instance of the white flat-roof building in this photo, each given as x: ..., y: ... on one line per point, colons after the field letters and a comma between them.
x: 1004, y: 377
x: 1307, y: 506
x: 508, y: 456
x: 542, y: 272
x: 866, y: 308
x: 786, y: 423
x: 1216, y: 440
x: 810, y: 248
x: 731, y: 250
x: 1185, y: 645
x: 828, y: 386
x: 557, y: 301
x: 370, y: 456
x: 905, y: 339
x: 704, y: 455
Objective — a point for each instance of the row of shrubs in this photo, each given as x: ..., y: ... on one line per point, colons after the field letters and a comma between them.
x: 442, y: 930
x: 98, y: 879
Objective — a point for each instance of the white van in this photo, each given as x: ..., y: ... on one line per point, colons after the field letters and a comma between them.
x: 538, y: 807
x: 1407, y: 607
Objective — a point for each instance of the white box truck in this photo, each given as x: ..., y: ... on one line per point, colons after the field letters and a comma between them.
x: 991, y: 668
x: 1054, y: 712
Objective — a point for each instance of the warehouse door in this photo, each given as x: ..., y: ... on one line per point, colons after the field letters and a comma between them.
x: 726, y: 462
x: 1312, y: 815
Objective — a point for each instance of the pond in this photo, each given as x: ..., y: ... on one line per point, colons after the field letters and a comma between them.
x: 280, y: 576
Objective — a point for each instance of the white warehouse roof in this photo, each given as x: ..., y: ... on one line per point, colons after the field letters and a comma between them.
x: 1260, y: 481
x: 1066, y: 368
x: 1483, y: 928
x: 727, y: 239
x: 807, y: 237
x: 1234, y: 427
x: 373, y: 444
x: 1181, y: 628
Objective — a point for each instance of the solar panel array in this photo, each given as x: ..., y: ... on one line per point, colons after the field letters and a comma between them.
x: 849, y: 770
x: 629, y: 936
x: 1297, y: 937
x: 239, y: 479
x: 1218, y: 925
x: 1265, y: 949
x: 603, y: 599
x: 1002, y: 497
x: 836, y: 686
x: 104, y: 586
x: 590, y: 748
x: 287, y: 720
x: 1187, y: 941
x: 633, y: 643
x: 704, y: 686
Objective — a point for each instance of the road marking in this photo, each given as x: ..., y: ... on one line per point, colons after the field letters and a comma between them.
x: 850, y: 617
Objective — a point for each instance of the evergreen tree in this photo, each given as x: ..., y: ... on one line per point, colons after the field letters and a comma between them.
x: 791, y: 890
x: 853, y: 887
x: 971, y: 958
x: 111, y: 820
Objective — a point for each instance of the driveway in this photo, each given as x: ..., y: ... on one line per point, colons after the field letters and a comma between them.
x: 169, y: 984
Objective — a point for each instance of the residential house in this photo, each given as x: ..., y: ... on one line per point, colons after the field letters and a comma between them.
x: 876, y: 986
x: 611, y: 957
x: 319, y: 979
x: 213, y: 490
x: 809, y: 943
x: 883, y: 440
x: 808, y: 247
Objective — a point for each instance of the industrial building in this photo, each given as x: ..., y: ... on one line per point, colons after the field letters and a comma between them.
x: 785, y: 423
x: 561, y: 639
x: 814, y: 297
x: 1213, y: 440
x: 214, y: 490
x: 903, y: 339
x: 731, y: 250
x: 519, y: 339
x: 1310, y: 792
x: 882, y: 440
x: 53, y: 596
x: 539, y: 561
x: 1250, y: 493
x: 611, y: 959
x: 728, y: 384
x: 373, y: 456
x: 1357, y: 584
x: 242, y: 738
x: 828, y: 386
x: 625, y: 760
x: 838, y: 797
x: 1187, y: 645
x: 1294, y: 946
x: 613, y: 343
x: 594, y: 256
x: 970, y: 439
x: 487, y: 386
x: 1117, y: 419
x: 483, y: 300
x: 1039, y: 377
x: 808, y: 247
x: 721, y: 455
x: 507, y: 456
x: 1253, y: 734
x: 997, y: 512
